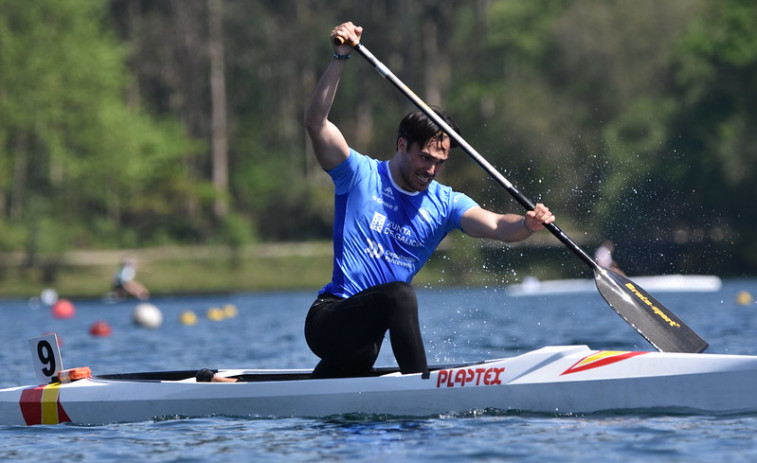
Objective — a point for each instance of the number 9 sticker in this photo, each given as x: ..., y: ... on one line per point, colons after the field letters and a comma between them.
x: 46, y: 357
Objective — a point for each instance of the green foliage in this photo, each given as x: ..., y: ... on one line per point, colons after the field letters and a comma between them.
x: 638, y: 151
x: 632, y: 120
x: 715, y: 67
x: 523, y: 28
x: 236, y: 231
x: 68, y: 135
x: 303, y: 212
x: 715, y: 63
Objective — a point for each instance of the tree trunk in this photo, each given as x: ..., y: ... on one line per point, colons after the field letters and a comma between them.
x: 218, y: 97
x: 20, y: 163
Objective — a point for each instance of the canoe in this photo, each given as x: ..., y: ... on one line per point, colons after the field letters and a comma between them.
x: 559, y: 380
x: 532, y: 286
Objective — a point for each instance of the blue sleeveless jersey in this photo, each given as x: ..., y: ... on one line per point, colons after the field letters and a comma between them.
x: 382, y: 233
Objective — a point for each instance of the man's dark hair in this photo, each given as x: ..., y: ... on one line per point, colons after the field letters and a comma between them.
x: 416, y: 127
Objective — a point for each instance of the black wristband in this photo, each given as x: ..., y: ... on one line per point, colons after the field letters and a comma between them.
x: 342, y: 57
x: 204, y: 376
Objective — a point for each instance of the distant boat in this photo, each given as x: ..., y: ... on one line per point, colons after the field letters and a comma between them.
x: 532, y: 286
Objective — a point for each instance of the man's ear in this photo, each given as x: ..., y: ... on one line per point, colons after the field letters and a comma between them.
x: 401, y: 143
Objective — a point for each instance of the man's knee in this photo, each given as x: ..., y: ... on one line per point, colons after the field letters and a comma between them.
x: 358, y: 363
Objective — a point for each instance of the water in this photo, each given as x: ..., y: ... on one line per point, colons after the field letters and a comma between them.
x: 460, y: 324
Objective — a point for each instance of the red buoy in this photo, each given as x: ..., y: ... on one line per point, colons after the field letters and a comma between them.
x: 100, y: 329
x: 63, y: 308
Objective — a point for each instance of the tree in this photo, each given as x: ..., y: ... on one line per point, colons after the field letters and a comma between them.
x: 79, y: 160
x: 715, y: 64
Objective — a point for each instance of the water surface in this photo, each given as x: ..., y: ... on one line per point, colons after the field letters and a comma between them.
x: 459, y: 324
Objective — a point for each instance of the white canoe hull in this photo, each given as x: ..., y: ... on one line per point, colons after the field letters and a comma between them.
x: 656, y: 284
x: 560, y: 380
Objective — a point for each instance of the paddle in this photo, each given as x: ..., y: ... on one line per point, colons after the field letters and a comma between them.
x: 659, y: 326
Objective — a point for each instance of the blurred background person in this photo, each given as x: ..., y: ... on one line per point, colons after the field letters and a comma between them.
x: 124, y: 283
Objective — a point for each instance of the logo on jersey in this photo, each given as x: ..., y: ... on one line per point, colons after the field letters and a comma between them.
x: 378, y: 221
x: 386, y: 199
x: 374, y: 249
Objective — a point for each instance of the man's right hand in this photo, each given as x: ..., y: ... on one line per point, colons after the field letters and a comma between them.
x: 345, y: 37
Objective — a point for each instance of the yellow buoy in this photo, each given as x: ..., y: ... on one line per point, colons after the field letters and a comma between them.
x: 744, y: 298
x: 215, y: 314
x: 188, y: 318
x: 230, y: 310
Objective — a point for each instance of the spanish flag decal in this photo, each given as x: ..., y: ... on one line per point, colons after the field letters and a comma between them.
x: 41, y: 405
x: 600, y: 359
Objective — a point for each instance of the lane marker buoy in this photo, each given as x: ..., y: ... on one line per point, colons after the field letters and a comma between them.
x: 63, y: 308
x: 100, y: 329
x: 744, y: 298
x: 215, y: 314
x: 147, y: 315
x: 230, y: 311
x: 188, y: 318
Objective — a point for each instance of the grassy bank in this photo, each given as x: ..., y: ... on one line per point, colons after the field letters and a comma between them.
x: 174, y: 270
x: 281, y: 266
x: 307, y: 266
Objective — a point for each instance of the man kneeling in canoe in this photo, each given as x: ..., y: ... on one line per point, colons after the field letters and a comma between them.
x: 389, y: 217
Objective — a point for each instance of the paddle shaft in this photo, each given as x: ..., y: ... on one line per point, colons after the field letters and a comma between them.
x: 470, y: 151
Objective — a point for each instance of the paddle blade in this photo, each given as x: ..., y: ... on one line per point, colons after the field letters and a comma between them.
x: 659, y: 326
